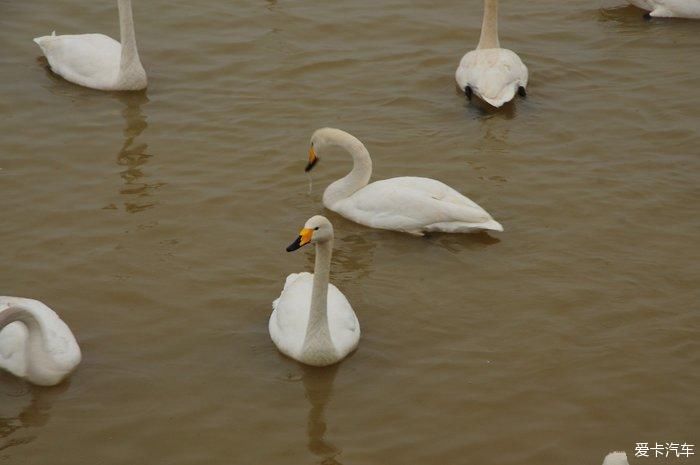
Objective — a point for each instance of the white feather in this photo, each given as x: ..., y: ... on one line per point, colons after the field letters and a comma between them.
x: 96, y: 60
x: 669, y: 8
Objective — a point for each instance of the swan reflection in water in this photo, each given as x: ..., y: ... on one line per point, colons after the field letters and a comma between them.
x: 34, y: 415
x: 318, y: 385
x: 133, y: 155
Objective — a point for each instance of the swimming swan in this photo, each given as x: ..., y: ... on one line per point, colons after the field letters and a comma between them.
x: 312, y: 321
x: 491, y: 73
x: 35, y: 344
x: 616, y: 458
x: 407, y: 204
x: 669, y: 8
x: 95, y: 60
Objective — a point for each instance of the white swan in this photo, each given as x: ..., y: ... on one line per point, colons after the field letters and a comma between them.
x: 35, y: 344
x: 616, y: 458
x: 491, y: 73
x: 669, y: 8
x: 98, y: 61
x: 407, y: 204
x: 312, y: 321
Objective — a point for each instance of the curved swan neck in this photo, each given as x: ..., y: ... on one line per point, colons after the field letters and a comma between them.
x: 489, y: 26
x: 130, y: 61
x: 16, y: 312
x: 361, y: 167
x: 318, y: 336
x: 36, y: 334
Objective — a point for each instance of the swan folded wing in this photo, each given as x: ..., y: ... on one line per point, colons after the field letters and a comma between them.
x: 86, y: 59
x: 492, y: 74
x: 13, y: 339
x: 410, y: 204
x: 342, y: 321
x: 290, y: 317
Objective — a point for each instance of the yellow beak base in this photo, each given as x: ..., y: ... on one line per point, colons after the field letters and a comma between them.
x: 313, y: 159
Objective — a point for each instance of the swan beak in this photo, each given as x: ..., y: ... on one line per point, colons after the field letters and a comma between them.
x: 303, y: 239
x: 313, y: 159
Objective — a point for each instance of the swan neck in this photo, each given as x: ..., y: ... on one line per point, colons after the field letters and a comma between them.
x: 37, y: 339
x: 317, y: 330
x: 358, y: 177
x: 130, y: 55
x: 24, y: 315
x: 489, y: 26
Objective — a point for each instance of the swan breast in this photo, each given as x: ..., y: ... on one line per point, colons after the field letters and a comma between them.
x: 290, y: 317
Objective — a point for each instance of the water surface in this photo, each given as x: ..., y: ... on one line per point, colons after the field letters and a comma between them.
x: 155, y: 223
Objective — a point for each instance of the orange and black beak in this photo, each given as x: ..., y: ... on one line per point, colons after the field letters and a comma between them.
x: 303, y: 239
x: 313, y: 159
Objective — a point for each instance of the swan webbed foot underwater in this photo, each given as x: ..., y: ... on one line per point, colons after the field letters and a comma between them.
x: 522, y: 92
x: 468, y: 92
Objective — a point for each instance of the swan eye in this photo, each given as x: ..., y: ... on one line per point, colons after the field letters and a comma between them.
x: 316, y: 228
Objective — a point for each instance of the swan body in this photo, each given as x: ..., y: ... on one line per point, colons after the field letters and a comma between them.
x: 312, y: 321
x: 616, y: 458
x: 35, y: 344
x: 669, y: 8
x: 491, y: 73
x: 413, y: 205
x: 96, y: 60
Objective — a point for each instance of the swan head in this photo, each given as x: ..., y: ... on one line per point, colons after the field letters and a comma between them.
x: 316, y: 230
x: 325, y: 137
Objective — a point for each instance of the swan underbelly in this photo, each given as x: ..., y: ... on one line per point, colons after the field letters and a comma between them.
x: 90, y: 60
x: 290, y: 317
x: 414, y: 205
x: 494, y: 75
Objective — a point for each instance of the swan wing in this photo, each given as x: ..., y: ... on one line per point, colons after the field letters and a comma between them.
x: 90, y: 60
x: 493, y: 74
x: 415, y: 205
x: 342, y: 321
x: 290, y: 314
x: 13, y: 341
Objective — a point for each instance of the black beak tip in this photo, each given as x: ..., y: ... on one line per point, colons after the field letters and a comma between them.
x: 310, y: 165
x: 294, y: 245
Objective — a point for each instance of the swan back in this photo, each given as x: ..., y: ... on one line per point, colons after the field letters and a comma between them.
x: 494, y: 75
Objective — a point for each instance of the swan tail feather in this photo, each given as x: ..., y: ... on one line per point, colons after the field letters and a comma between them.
x: 492, y: 225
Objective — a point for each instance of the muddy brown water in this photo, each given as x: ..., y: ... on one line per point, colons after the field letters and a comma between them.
x: 155, y: 223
